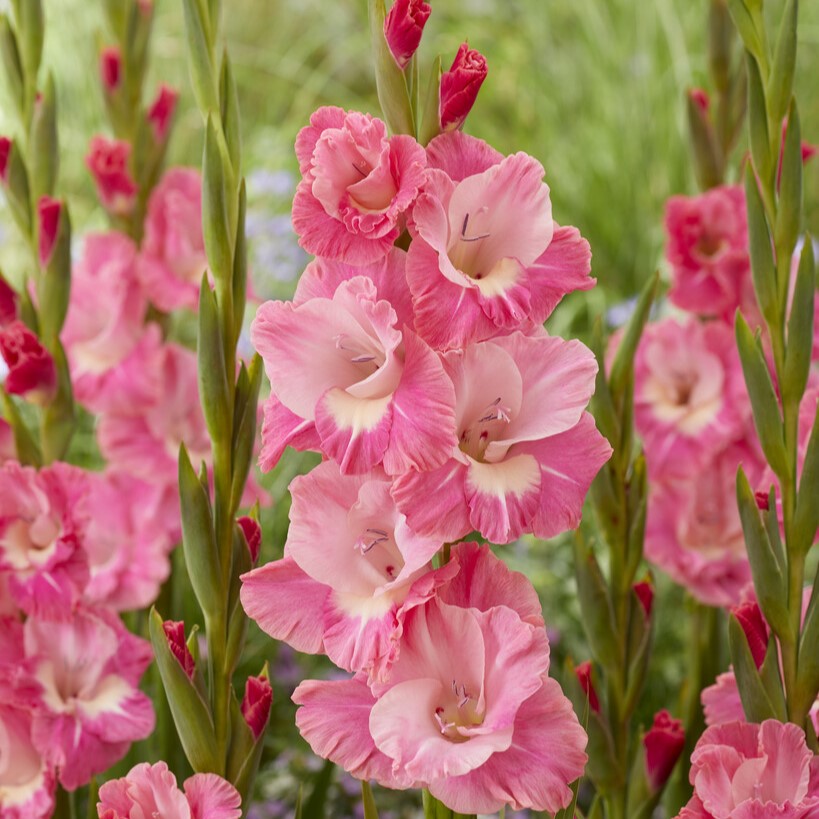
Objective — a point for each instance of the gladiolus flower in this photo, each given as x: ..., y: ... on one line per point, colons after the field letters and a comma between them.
x: 460, y: 86
x: 5, y: 150
x: 256, y: 704
x: 403, y: 28
x: 253, y: 536
x: 150, y: 790
x: 31, y: 368
x: 663, y: 744
x: 8, y: 303
x: 583, y: 672
x: 50, y: 212
x: 175, y: 632
x: 357, y: 185
x: 160, y: 114
x: 749, y: 616
x: 111, y: 68
x: 108, y: 162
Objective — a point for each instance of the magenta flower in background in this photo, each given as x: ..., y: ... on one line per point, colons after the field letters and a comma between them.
x: 5, y: 150
x: 256, y: 704
x: 403, y: 28
x: 108, y: 160
x: 175, y: 633
x: 663, y: 744
x: 49, y: 216
x: 460, y: 86
x: 31, y: 370
x: 111, y: 68
x: 8, y: 303
x: 161, y: 111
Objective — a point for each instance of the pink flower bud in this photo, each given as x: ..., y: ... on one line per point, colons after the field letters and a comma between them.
x: 663, y: 744
x: 108, y: 162
x: 5, y: 150
x: 762, y: 501
x: 175, y: 632
x: 8, y: 303
x: 160, y: 114
x: 256, y: 704
x: 645, y: 594
x: 146, y: 6
x: 31, y: 367
x: 253, y: 536
x: 749, y: 616
x: 584, y: 677
x: 111, y: 68
x: 701, y: 99
x: 403, y: 28
x: 49, y: 210
x: 460, y: 86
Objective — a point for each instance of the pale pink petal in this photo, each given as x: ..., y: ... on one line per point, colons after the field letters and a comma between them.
x: 211, y: 797
x: 328, y: 116
x: 787, y: 770
x: 147, y: 790
x: 460, y: 155
x: 282, y: 428
x: 286, y: 603
x: 721, y: 701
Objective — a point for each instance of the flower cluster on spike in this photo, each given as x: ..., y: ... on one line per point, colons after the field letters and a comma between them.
x: 413, y: 358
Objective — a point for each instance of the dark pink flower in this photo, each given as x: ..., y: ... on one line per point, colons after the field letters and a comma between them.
x: 256, y: 704
x: 749, y: 616
x: 403, y: 28
x: 111, y: 68
x: 253, y: 536
x: 460, y: 86
x: 49, y: 212
x: 161, y: 112
x: 584, y: 677
x: 8, y: 303
x: 175, y: 632
x: 108, y: 162
x: 663, y: 744
x: 31, y: 368
x: 5, y: 150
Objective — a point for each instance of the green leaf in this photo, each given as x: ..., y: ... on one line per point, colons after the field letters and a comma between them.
x: 231, y: 120
x: 708, y: 159
x: 806, y: 516
x: 44, y: 145
x: 190, y: 713
x: 12, y: 64
x: 26, y: 447
x: 54, y: 285
x: 17, y: 190
x: 215, y: 193
x: 721, y: 34
x: 780, y: 81
x: 799, y: 348
x: 638, y: 509
x: 769, y: 582
x: 202, y: 63
x: 746, y: 26
x: 430, y: 115
x: 213, y: 381
x: 767, y: 417
x: 789, y: 212
x: 30, y: 30
x: 368, y: 801
x: 390, y: 81
x: 245, y: 750
x: 316, y: 805
x: 240, y: 262
x: 807, y: 675
x: 603, y: 409
x: 758, y: 122
x: 244, y: 426
x: 755, y: 700
x: 761, y: 250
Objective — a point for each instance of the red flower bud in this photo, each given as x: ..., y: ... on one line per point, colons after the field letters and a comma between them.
x: 31, y: 367
x: 749, y: 616
x: 663, y: 744
x: 111, y: 68
x: 8, y: 303
x: 460, y: 86
x: 160, y: 114
x: 253, y: 536
x: 701, y: 99
x: 256, y: 704
x: 645, y: 594
x: 175, y: 632
x: 584, y: 677
x: 49, y: 210
x: 762, y: 501
x: 108, y: 162
x: 403, y: 28
x: 5, y: 150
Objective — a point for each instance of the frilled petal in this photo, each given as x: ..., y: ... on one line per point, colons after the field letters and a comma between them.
x: 211, y: 797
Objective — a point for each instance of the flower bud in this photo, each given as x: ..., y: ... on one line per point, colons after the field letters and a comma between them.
x: 663, y: 744
x: 749, y: 616
x: 584, y: 677
x: 111, y: 68
x: 460, y: 86
x: 701, y: 99
x: 253, y: 536
x: 8, y: 303
x: 762, y: 501
x: 160, y: 114
x: 256, y: 704
x: 49, y: 211
x: 108, y: 162
x: 175, y: 632
x: 403, y: 28
x: 31, y: 368
x: 5, y: 150
x: 645, y: 594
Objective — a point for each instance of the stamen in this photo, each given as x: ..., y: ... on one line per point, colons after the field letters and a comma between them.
x: 495, y: 413
x: 362, y: 359
x: 362, y: 172
x: 465, y: 238
x: 365, y: 546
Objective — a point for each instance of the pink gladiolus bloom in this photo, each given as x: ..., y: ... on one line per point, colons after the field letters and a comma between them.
x: 111, y: 68
x: 742, y: 770
x: 351, y: 571
x: 708, y: 252
x: 90, y: 709
x: 160, y: 114
x: 41, y: 532
x: 357, y: 185
x: 354, y: 382
x: 5, y: 150
x: 8, y: 303
x: 663, y: 744
x: 175, y: 632
x: 694, y: 532
x: 173, y: 249
x: 256, y: 704
x: 526, y: 450
x: 49, y: 213
x: 460, y: 86
x: 31, y: 371
x: 105, y: 320
x: 127, y: 541
x: 487, y: 257
x: 689, y: 394
x: 469, y: 714
x: 150, y: 790
x: 403, y: 28
x: 108, y: 162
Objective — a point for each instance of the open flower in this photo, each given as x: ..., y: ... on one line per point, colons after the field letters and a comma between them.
x: 526, y: 450
x: 347, y: 374
x: 90, y: 709
x: 743, y: 770
x: 357, y: 185
x: 351, y: 571
x: 487, y: 258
